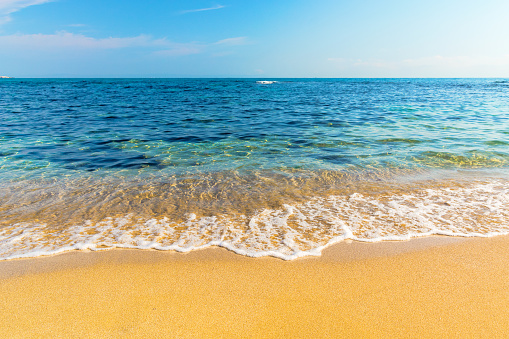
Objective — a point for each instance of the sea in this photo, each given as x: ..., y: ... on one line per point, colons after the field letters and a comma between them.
x: 261, y: 167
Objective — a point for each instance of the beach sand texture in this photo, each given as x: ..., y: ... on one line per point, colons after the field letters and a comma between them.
x: 423, y: 288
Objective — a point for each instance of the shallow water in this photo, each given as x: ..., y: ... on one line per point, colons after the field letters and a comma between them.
x: 279, y: 169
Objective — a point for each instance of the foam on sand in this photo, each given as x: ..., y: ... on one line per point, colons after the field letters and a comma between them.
x: 476, y: 209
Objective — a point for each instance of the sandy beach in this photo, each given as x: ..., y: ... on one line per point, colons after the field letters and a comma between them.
x: 429, y: 287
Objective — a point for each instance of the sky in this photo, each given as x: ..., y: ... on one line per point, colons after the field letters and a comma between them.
x: 254, y: 38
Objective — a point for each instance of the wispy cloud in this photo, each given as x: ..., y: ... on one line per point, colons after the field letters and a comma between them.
x: 8, y: 7
x: 232, y: 41
x: 71, y: 40
x: 201, y: 9
x: 217, y: 49
x: 63, y: 40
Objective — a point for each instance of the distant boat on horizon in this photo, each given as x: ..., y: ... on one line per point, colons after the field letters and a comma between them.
x: 5, y: 77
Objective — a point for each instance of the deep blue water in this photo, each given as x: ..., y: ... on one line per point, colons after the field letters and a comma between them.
x: 64, y: 126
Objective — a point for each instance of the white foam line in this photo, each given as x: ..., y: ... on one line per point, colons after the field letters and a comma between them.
x: 446, y: 212
x: 315, y: 252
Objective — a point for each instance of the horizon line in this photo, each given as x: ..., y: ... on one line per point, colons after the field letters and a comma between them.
x: 237, y: 77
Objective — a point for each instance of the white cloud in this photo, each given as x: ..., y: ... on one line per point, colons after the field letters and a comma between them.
x: 10, y: 6
x: 197, y: 48
x: 62, y: 41
x: 71, y: 40
x: 202, y: 9
x: 232, y: 41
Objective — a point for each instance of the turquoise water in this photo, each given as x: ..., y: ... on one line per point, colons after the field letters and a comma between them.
x: 205, y: 160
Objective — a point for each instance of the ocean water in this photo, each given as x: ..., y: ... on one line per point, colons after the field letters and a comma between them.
x: 281, y: 169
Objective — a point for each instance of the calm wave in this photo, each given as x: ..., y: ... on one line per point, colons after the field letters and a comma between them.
x: 280, y: 168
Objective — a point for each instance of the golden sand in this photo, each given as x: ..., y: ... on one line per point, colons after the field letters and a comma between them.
x: 433, y: 287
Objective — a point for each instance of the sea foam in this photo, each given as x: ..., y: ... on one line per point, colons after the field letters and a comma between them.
x: 478, y: 209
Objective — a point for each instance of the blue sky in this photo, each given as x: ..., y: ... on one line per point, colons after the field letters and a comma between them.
x: 254, y: 38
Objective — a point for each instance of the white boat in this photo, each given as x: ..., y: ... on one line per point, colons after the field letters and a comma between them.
x: 265, y: 82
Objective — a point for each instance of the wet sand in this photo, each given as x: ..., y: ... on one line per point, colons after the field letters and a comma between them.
x: 429, y: 287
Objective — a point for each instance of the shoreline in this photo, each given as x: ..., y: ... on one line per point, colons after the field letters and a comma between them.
x: 425, y: 287
x: 283, y: 222
x: 342, y: 252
